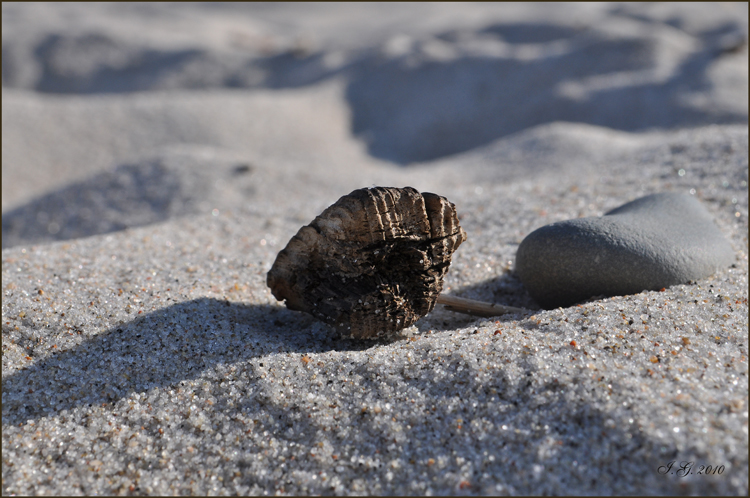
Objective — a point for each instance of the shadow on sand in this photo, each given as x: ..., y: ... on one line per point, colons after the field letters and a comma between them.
x: 162, y: 348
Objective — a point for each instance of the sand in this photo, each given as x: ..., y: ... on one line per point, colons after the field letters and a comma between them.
x: 155, y: 158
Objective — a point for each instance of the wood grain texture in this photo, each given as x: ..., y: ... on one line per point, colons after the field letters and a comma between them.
x: 372, y: 263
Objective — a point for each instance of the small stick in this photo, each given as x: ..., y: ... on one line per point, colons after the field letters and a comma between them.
x: 476, y: 308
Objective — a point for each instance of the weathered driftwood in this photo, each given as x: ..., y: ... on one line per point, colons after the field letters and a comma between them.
x: 372, y: 263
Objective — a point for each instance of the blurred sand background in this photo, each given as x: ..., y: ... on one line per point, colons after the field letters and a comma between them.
x: 156, y: 157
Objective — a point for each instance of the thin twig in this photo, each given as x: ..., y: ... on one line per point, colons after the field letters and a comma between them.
x: 477, y: 308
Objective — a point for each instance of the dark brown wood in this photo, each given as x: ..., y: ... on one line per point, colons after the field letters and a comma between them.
x: 372, y: 263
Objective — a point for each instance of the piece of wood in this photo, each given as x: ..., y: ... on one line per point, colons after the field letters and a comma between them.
x: 477, y: 308
x: 372, y: 263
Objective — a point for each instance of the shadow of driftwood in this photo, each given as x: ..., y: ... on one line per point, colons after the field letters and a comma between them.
x: 160, y: 349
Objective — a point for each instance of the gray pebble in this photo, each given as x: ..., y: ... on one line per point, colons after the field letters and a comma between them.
x: 647, y: 244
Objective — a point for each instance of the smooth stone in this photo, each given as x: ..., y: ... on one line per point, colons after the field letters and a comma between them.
x: 648, y: 244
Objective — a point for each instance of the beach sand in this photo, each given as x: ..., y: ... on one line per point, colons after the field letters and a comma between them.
x: 157, y: 157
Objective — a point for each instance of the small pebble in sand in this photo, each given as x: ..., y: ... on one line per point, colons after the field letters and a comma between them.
x: 650, y: 243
